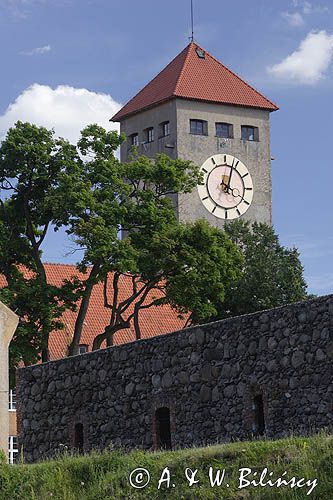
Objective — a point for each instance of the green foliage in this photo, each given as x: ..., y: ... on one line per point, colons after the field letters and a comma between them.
x: 194, y: 264
x: 106, y: 475
x: 272, y: 275
x: 41, y: 184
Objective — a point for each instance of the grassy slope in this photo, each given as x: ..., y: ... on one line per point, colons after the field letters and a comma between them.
x: 105, y: 476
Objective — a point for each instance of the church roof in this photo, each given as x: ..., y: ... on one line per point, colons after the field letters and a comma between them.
x: 195, y: 74
x: 154, y: 321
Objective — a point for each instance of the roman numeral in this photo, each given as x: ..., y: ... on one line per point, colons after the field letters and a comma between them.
x: 238, y: 211
x: 226, y: 214
x: 225, y: 158
x: 205, y: 198
x: 213, y: 161
x: 214, y: 209
x: 245, y: 175
x: 204, y: 170
x: 248, y: 189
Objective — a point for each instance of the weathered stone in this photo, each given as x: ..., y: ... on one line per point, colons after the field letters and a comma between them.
x: 129, y: 389
x: 156, y: 381
x: 167, y: 380
x: 183, y: 378
x: 329, y: 350
x: 297, y: 359
x: 271, y: 344
x: 205, y: 393
x: 320, y: 355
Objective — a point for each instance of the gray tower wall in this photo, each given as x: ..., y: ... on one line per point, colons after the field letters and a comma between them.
x: 254, y: 154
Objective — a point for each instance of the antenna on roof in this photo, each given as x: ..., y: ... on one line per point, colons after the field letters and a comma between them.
x: 192, y: 33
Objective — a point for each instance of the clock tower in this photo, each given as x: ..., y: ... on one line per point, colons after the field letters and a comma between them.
x: 197, y: 109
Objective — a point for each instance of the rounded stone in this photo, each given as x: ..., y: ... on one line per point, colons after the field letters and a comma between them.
x: 156, y: 381
x: 205, y: 394
x: 297, y: 359
x: 129, y: 389
x: 167, y: 380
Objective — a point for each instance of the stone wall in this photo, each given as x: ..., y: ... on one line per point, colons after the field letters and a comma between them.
x: 210, y: 377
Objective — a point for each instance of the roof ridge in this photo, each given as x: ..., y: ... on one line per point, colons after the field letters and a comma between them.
x: 58, y: 264
x: 235, y: 74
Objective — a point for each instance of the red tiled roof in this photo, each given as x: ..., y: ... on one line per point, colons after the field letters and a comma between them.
x: 189, y: 76
x: 153, y: 321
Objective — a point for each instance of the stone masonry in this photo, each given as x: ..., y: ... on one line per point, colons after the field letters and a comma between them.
x: 209, y: 377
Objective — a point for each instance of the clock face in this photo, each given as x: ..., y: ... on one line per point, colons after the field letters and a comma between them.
x: 227, y: 191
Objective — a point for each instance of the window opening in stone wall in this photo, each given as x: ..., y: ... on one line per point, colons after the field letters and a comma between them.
x: 259, y: 415
x: 78, y: 437
x: 163, y: 431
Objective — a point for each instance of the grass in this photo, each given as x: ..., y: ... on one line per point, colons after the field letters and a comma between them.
x: 104, y: 476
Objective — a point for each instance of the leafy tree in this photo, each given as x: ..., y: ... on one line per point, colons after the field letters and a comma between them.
x: 40, y: 181
x: 272, y: 275
x: 189, y: 265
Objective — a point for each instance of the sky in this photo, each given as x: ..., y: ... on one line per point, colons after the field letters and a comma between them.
x: 67, y: 63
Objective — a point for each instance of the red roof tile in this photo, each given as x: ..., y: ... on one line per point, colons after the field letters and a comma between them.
x: 153, y: 321
x: 189, y: 76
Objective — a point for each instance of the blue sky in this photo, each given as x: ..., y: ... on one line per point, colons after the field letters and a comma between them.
x: 66, y: 63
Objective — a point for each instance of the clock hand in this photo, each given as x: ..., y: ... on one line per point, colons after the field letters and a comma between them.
x: 229, y: 181
x: 236, y: 195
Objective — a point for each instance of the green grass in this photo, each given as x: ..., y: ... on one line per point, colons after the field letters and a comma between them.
x: 103, y: 476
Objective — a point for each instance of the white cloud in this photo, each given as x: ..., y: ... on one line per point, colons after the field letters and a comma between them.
x: 37, y: 50
x: 294, y: 19
x: 66, y: 109
x: 305, y: 8
x: 308, y: 64
x: 309, y: 8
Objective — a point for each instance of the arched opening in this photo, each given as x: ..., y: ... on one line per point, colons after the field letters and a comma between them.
x: 163, y: 431
x: 78, y: 437
x: 259, y: 415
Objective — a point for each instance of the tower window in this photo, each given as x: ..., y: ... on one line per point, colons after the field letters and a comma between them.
x: 165, y: 129
x: 224, y: 130
x: 250, y: 133
x: 259, y: 415
x: 78, y: 437
x: 150, y: 134
x: 163, y: 431
x: 83, y: 348
x: 198, y: 127
x: 134, y: 139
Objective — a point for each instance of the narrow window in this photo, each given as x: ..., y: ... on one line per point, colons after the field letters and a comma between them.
x: 150, y: 134
x: 12, y: 400
x: 250, y: 133
x: 134, y: 139
x: 12, y: 449
x: 224, y: 130
x: 163, y: 431
x: 165, y: 129
x: 198, y: 127
x: 259, y: 416
x: 78, y: 437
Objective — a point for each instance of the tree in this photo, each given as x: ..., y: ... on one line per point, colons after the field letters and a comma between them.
x: 188, y: 266
x: 158, y: 254
x: 272, y: 275
x: 40, y: 185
